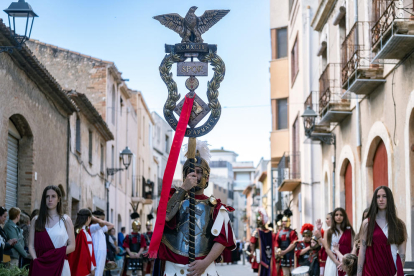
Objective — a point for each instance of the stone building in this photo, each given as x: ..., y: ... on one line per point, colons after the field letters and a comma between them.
x: 34, y: 126
x: 88, y: 137
x: 120, y: 107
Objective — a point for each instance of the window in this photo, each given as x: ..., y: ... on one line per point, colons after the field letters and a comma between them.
x: 113, y: 157
x: 102, y: 158
x: 294, y: 60
x: 282, y: 114
x: 167, y: 143
x: 279, y: 43
x: 90, y: 147
x: 121, y: 102
x: 78, y: 135
x: 113, y: 104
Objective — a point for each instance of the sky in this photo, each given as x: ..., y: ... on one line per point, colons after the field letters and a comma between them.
x: 123, y: 31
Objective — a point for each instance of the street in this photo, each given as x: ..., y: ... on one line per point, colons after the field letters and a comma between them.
x: 235, y: 269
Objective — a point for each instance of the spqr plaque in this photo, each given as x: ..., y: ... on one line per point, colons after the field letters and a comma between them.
x: 192, y: 69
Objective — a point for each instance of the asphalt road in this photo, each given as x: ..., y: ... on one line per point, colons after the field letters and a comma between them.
x: 235, y: 269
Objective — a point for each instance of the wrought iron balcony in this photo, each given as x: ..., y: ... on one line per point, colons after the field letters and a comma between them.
x: 332, y: 107
x: 288, y: 172
x: 358, y: 74
x: 392, y: 35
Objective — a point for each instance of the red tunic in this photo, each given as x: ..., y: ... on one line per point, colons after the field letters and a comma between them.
x: 49, y: 260
x: 134, y: 240
x: 345, y: 245
x: 300, y: 245
x: 81, y: 259
x: 164, y: 253
x: 378, y: 257
x: 227, y: 256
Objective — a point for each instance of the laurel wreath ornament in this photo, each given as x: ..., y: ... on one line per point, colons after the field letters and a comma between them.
x: 213, y: 85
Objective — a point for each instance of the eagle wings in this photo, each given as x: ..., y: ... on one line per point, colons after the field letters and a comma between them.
x: 188, y: 31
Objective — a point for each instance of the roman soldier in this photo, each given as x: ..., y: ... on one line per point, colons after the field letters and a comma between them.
x: 262, y: 242
x: 213, y: 230
x: 148, y: 264
x: 285, y: 243
x: 303, y: 247
x: 134, y: 245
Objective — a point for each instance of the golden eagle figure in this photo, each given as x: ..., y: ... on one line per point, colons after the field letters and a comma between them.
x: 191, y: 27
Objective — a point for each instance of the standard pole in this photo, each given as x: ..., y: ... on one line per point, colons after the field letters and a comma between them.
x: 272, y: 199
x: 191, y: 235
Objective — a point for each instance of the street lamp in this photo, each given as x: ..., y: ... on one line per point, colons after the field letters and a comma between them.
x: 126, y: 156
x: 309, y: 117
x: 18, y: 10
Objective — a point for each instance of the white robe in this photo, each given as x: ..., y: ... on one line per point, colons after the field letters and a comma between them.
x: 60, y: 237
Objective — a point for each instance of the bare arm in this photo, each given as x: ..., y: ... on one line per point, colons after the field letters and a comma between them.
x: 288, y: 249
x: 71, y: 233
x: 103, y: 223
x: 401, y: 251
x: 331, y: 255
x: 32, y: 250
x: 363, y: 248
x: 304, y: 251
x: 198, y: 267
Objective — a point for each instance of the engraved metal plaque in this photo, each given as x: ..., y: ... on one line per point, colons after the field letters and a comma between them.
x: 192, y: 69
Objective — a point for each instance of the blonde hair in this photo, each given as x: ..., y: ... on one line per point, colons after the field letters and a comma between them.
x: 350, y: 264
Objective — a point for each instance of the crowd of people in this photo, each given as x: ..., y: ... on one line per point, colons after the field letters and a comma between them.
x: 377, y: 249
x: 47, y: 242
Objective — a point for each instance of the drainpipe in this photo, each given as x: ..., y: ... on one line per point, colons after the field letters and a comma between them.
x: 308, y: 10
x: 358, y: 110
x: 67, y: 165
x: 333, y: 172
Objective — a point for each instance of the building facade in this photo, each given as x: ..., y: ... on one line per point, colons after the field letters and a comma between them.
x: 120, y: 107
x: 34, y: 127
x: 374, y: 134
x: 88, y: 137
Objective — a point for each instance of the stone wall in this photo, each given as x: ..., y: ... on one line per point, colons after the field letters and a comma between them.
x: 43, y: 127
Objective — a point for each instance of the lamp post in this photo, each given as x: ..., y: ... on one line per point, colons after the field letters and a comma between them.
x: 19, y: 10
x: 309, y: 117
x: 126, y: 156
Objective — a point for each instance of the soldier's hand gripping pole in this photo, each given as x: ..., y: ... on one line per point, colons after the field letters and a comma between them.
x: 191, y: 234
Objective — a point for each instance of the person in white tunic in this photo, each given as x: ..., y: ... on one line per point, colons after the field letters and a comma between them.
x: 98, y: 229
x: 58, y: 227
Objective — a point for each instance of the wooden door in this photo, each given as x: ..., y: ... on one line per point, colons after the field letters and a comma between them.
x: 348, y: 191
x: 380, y: 166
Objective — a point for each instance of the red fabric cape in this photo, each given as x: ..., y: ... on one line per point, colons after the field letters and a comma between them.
x: 345, y: 245
x: 378, y: 257
x: 49, y: 260
x: 80, y: 260
x: 169, y: 175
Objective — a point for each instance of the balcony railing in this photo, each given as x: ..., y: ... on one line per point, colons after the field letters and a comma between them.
x: 289, y: 167
x: 358, y: 74
x: 330, y: 91
x: 392, y: 33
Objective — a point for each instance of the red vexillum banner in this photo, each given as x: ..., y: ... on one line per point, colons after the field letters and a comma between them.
x: 169, y: 175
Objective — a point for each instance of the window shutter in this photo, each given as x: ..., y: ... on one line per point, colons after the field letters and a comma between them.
x: 78, y: 135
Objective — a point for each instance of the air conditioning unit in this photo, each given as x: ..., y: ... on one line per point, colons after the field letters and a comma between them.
x: 256, y: 200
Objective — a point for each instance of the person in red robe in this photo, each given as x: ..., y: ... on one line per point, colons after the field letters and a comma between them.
x: 51, y: 236
x: 342, y: 233
x: 82, y: 261
x: 384, y: 238
x: 303, y: 247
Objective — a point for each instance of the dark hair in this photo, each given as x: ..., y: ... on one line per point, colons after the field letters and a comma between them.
x: 357, y: 237
x: 82, y: 218
x: 122, y: 229
x: 2, y: 210
x: 343, y: 226
x: 350, y: 264
x: 98, y: 213
x: 43, y: 215
x: 397, y: 233
x: 34, y: 213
